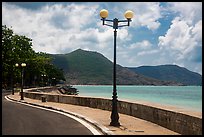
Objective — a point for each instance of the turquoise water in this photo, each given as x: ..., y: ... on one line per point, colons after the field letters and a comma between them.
x: 187, y: 97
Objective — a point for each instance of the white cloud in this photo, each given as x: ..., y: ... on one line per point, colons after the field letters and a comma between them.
x: 178, y: 37
x: 53, y: 28
x: 197, y: 31
x: 56, y: 27
x: 183, y: 40
x: 139, y: 53
x: 145, y: 44
x: 191, y: 12
x: 149, y: 53
x: 145, y: 14
x: 182, y: 36
x: 62, y: 28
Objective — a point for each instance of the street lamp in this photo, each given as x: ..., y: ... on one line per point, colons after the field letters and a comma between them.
x: 43, y: 79
x: 53, y: 81
x: 22, y: 65
x: 128, y: 16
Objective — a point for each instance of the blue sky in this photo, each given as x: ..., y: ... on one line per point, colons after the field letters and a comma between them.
x: 160, y: 32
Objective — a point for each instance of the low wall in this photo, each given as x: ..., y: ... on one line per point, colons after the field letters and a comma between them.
x: 178, y: 122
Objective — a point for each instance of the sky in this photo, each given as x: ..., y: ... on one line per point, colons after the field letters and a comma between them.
x: 160, y: 32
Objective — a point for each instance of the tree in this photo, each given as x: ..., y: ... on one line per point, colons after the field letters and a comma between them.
x: 46, y: 71
x: 18, y: 49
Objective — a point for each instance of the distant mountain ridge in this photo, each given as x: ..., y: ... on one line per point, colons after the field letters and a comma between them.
x: 169, y: 73
x: 88, y: 67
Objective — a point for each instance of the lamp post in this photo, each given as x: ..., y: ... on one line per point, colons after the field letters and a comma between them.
x: 43, y: 79
x: 12, y: 84
x: 128, y: 16
x: 53, y: 81
x: 22, y: 65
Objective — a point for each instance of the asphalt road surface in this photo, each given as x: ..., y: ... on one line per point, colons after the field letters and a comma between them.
x: 19, y: 119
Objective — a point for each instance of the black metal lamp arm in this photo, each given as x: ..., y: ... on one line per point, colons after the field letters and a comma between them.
x: 116, y: 26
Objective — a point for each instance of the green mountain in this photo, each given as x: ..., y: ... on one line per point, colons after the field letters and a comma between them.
x: 88, y: 67
x: 170, y: 73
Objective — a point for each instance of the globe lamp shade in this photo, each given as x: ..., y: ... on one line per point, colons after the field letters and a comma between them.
x: 128, y: 14
x: 104, y: 13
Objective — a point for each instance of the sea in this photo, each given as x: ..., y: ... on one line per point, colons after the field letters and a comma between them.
x: 184, y: 97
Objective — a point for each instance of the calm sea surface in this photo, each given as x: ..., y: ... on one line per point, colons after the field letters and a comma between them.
x: 187, y: 97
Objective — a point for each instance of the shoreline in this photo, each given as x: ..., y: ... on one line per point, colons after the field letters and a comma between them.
x: 157, y: 105
x: 144, y: 85
x: 168, y: 107
x: 197, y: 110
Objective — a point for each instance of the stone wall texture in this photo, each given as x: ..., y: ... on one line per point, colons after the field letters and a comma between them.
x: 175, y: 121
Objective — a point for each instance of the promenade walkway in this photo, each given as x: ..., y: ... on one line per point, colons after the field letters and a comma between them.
x: 101, y: 119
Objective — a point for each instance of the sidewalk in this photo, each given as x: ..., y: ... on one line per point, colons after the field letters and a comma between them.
x: 101, y: 119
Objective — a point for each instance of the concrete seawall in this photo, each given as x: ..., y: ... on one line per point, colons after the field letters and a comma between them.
x: 178, y: 122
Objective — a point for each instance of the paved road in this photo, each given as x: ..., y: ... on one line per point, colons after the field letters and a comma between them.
x: 19, y: 119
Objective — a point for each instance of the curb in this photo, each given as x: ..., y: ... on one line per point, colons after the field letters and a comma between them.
x: 104, y: 130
